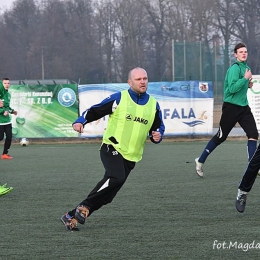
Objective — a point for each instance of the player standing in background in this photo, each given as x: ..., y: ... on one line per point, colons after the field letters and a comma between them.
x: 3, y: 189
x: 235, y: 108
x: 5, y: 118
x: 132, y: 115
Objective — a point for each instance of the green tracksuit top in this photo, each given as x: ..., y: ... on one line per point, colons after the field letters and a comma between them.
x: 6, y: 97
x: 128, y: 126
x: 236, y: 85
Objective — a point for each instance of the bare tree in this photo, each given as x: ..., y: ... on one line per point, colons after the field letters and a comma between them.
x: 131, y: 36
x: 247, y: 29
x: 159, y: 39
x: 100, y: 41
x: 81, y: 39
x: 19, y: 30
x: 107, y: 27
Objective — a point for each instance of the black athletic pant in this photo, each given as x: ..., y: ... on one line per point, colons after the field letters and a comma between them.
x: 7, y: 130
x: 117, y: 170
x: 251, y: 172
x: 232, y: 114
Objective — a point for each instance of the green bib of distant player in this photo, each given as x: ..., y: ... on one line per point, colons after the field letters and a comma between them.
x: 129, y: 125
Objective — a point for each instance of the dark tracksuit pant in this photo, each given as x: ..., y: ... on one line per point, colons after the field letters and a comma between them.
x: 251, y: 172
x: 232, y: 114
x: 7, y: 130
x: 117, y: 170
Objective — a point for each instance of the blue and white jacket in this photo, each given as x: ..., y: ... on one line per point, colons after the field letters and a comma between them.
x: 109, y: 105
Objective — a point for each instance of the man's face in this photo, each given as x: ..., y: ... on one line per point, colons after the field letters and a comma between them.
x: 241, y: 54
x: 138, y: 81
x: 6, y: 84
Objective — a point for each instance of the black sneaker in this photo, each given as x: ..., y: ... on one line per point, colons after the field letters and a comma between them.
x: 81, y: 213
x: 69, y: 222
x: 241, y: 201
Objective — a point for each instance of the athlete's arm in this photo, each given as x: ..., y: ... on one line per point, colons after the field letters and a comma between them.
x: 95, y: 112
x: 157, y: 129
x: 235, y: 80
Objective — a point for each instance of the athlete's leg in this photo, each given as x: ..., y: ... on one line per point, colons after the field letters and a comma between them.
x: 117, y: 171
x: 247, y: 122
x: 2, y: 131
x: 8, y: 138
x: 227, y: 122
x: 250, y: 174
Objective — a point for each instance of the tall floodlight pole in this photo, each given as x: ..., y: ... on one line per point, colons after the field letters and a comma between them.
x: 200, y: 62
x: 215, y: 66
x: 184, y: 59
x: 173, y: 75
x: 42, y: 64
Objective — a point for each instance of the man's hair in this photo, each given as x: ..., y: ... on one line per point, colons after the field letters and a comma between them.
x: 238, y: 46
x: 130, y: 72
x: 5, y: 79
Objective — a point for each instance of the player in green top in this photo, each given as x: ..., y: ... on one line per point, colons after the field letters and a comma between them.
x: 5, y: 118
x: 235, y: 108
x: 3, y: 189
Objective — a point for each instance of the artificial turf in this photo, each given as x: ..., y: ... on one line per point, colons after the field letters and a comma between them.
x: 164, y: 210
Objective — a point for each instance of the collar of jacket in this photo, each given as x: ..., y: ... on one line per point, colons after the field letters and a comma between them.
x: 138, y: 98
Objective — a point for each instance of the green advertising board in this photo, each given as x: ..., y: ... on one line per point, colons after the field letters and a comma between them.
x: 44, y: 110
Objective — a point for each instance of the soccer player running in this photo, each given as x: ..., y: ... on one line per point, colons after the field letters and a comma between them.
x: 235, y: 108
x: 133, y: 114
x: 5, y: 118
x: 3, y: 189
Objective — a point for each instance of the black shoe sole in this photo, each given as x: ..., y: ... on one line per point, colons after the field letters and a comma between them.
x: 67, y: 227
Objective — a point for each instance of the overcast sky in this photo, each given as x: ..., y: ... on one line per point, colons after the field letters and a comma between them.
x: 6, y: 3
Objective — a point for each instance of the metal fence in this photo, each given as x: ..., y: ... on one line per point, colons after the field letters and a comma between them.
x: 200, y: 61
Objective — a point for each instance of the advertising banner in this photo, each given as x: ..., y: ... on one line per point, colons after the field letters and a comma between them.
x: 187, y: 106
x: 253, y: 96
x: 44, y: 110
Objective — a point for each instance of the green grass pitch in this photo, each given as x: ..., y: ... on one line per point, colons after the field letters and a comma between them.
x: 164, y: 210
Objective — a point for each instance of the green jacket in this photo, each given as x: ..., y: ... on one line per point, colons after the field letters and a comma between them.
x: 235, y: 84
x: 6, y: 97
